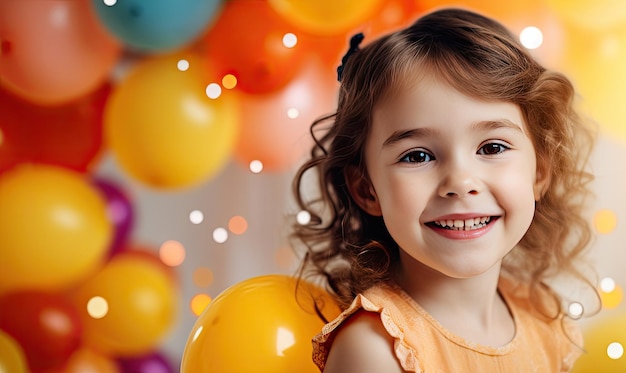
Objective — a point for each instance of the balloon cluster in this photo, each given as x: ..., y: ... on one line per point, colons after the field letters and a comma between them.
x: 75, y: 294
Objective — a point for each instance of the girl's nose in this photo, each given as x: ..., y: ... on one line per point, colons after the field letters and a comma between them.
x: 459, y: 183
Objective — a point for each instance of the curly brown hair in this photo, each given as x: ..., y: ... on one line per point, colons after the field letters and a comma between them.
x: 480, y: 58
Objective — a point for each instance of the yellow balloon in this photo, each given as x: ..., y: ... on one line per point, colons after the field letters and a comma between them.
x: 605, y: 345
x: 596, y: 14
x: 163, y: 128
x: 128, y: 306
x: 12, y: 358
x: 54, y: 228
x: 258, y: 325
x: 596, y: 64
x: 326, y: 17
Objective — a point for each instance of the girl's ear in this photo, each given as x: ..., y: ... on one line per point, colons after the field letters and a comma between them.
x: 362, y: 191
x: 542, y: 182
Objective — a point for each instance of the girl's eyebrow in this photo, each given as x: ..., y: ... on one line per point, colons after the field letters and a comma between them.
x: 399, y: 135
x: 486, y: 125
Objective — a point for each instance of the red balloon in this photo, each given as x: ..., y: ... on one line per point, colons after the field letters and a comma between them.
x: 246, y: 41
x: 46, y: 325
x: 68, y: 135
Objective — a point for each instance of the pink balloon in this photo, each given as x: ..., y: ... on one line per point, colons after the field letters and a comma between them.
x: 275, y: 126
x: 53, y: 51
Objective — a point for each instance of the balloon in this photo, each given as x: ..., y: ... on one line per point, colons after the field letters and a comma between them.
x: 119, y: 211
x: 12, y: 359
x: 496, y: 9
x: 54, y: 230
x: 598, y: 14
x: 141, y: 302
x: 326, y: 17
x: 53, y: 51
x: 150, y: 363
x: 86, y: 360
x: 164, y: 130
x: 275, y: 126
x: 158, y: 25
x: 263, y: 323
x: 393, y: 15
x: 605, y: 341
x: 256, y: 56
x: 68, y: 135
x: 595, y: 63
x: 149, y: 253
x: 46, y: 326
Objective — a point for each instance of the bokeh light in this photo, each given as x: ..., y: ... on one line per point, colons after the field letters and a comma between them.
x: 97, y: 307
x: 285, y: 257
x: 213, y: 90
x: 531, y: 37
x: 182, y: 65
x: 256, y: 166
x: 220, y: 235
x: 293, y: 113
x: 196, y: 217
x: 172, y: 253
x: 303, y: 217
x: 238, y: 225
x: 615, y: 350
x: 202, y: 277
x: 607, y: 284
x: 604, y: 221
x: 110, y: 2
x: 575, y: 310
x: 290, y: 40
x: 199, y: 303
x: 229, y: 81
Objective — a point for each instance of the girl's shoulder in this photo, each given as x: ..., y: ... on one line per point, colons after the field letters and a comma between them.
x: 370, y: 330
x: 361, y: 345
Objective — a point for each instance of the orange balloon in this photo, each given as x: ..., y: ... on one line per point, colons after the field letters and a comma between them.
x: 275, y: 126
x: 326, y: 17
x: 163, y: 129
x: 141, y: 303
x: 53, y: 51
x: 497, y: 9
x: 257, y: 56
x: 263, y: 319
x: 54, y: 228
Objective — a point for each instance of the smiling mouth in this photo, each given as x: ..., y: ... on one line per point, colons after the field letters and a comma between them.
x: 463, y: 225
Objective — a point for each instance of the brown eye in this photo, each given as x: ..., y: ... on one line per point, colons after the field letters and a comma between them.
x: 418, y: 156
x: 492, y: 148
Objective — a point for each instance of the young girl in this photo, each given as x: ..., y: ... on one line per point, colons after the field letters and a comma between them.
x: 452, y: 181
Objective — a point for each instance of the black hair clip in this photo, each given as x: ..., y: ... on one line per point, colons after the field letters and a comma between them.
x: 354, y: 47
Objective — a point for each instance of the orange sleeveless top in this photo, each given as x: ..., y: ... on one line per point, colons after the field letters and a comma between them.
x: 421, y: 344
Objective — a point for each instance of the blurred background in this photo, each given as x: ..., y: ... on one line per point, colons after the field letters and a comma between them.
x: 147, y: 149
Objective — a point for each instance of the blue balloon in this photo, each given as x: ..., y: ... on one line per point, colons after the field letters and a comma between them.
x: 157, y: 25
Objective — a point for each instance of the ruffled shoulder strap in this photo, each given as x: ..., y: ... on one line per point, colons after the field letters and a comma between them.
x: 396, y: 316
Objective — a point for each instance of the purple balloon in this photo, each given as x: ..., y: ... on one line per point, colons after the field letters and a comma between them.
x: 120, y: 212
x: 152, y: 363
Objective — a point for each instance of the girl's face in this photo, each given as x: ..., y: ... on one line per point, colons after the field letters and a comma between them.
x: 453, y: 177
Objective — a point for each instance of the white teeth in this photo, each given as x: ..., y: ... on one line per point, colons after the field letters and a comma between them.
x: 467, y: 224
